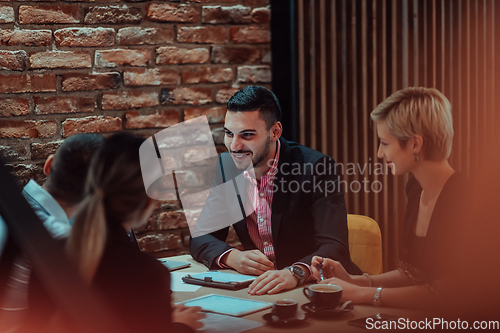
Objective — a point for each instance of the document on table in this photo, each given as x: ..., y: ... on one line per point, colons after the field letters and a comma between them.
x: 216, y: 323
x: 178, y: 285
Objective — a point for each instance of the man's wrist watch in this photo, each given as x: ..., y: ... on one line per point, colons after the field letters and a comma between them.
x: 298, y: 272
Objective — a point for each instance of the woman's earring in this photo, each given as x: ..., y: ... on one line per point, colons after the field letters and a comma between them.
x: 416, y: 157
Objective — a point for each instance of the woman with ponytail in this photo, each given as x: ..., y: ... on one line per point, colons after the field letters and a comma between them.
x: 135, y: 284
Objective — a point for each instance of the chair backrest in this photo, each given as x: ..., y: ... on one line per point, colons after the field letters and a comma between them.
x: 365, y: 243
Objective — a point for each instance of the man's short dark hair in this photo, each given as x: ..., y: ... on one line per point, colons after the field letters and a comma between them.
x: 68, y: 172
x: 256, y: 98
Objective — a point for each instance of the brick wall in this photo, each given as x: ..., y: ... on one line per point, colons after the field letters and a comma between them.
x: 104, y: 66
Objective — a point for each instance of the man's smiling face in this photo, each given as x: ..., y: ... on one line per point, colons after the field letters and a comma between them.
x: 247, y: 138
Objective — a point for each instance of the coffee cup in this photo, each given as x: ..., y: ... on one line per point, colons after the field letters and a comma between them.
x: 285, y: 308
x: 323, y: 295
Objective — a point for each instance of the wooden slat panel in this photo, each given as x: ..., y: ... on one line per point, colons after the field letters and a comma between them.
x: 352, y: 54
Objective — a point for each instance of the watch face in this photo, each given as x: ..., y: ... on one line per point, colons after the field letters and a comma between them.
x: 299, y: 271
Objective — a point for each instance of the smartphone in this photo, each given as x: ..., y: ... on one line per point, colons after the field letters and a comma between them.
x: 364, y: 322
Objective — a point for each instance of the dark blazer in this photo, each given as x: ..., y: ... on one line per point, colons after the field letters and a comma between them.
x: 309, y: 215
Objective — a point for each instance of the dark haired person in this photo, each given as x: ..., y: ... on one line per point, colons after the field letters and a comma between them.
x: 55, y: 203
x: 115, y: 202
x: 299, y: 209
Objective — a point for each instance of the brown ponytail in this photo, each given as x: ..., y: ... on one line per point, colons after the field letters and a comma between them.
x: 114, y: 194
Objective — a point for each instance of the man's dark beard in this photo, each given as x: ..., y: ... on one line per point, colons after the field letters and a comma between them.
x: 267, y: 148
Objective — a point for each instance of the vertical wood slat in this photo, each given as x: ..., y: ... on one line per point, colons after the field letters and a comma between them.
x: 354, y: 53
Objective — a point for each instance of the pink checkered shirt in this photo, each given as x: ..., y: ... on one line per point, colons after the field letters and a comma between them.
x: 260, y: 195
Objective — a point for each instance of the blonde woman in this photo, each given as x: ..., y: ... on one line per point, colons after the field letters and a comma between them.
x: 415, y: 129
x: 135, y: 284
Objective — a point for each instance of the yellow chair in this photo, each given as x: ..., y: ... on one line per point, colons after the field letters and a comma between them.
x: 365, y: 243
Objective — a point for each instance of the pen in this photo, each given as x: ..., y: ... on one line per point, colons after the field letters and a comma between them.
x: 320, y: 267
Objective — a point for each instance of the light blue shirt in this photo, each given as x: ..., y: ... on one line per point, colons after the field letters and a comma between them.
x: 47, y: 209
x: 55, y: 220
x: 52, y: 215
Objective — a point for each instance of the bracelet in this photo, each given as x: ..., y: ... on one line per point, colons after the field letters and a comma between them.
x: 370, y: 282
x: 376, y: 298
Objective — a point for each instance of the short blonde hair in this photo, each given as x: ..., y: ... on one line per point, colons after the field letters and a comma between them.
x: 422, y: 111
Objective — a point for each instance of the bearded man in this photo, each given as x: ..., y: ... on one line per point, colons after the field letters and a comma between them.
x: 297, y: 206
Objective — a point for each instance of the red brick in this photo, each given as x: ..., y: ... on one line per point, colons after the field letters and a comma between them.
x: 169, y: 55
x: 113, y: 15
x: 171, y: 220
x: 261, y: 15
x: 211, y: 1
x: 224, y: 94
x: 254, y: 74
x: 123, y: 100
x: 194, y: 96
x: 92, y: 124
x: 226, y: 15
x: 14, y: 60
x: 13, y: 154
x: 85, y: 37
x: 134, y: 120
x: 27, y: 83
x: 24, y: 172
x: 25, y: 129
x: 43, y: 150
x: 6, y: 14
x: 214, y: 114
x: 25, y: 37
x: 150, y: 76
x: 48, y: 14
x: 235, y: 55
x: 13, y: 107
x: 60, y: 59
x: 83, y: 81
x: 266, y: 56
x: 148, y: 36
x: 218, y: 135
x: 251, y: 35
x: 64, y: 104
x: 172, y: 13
x: 207, y: 75
x: 117, y: 57
x: 157, y: 242
x: 255, y: 2
x: 210, y: 34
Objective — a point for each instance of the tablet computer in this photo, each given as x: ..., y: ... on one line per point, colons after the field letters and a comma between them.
x: 227, y: 305
x: 174, y: 265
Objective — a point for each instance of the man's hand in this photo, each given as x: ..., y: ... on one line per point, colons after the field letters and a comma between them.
x: 272, y: 282
x: 189, y: 315
x: 251, y: 262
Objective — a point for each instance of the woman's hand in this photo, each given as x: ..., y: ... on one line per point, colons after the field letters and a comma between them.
x: 189, y: 315
x: 331, y: 268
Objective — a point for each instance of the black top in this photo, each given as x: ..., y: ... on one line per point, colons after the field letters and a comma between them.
x: 426, y: 259
x: 309, y: 215
x: 136, y: 285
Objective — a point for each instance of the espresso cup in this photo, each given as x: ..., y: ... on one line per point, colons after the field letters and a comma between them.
x: 285, y: 308
x: 323, y: 295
